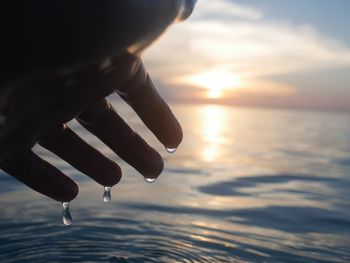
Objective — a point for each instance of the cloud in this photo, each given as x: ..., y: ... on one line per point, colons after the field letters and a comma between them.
x: 227, y: 9
x: 253, y: 47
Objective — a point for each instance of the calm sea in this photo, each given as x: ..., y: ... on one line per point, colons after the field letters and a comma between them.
x: 246, y: 185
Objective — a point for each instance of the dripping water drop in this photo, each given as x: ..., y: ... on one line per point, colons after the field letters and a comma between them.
x: 66, y: 216
x: 171, y: 150
x: 150, y: 180
x: 107, y: 194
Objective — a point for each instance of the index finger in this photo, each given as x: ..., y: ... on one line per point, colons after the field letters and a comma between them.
x: 143, y: 97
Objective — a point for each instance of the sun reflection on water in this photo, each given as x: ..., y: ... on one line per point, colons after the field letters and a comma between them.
x: 221, y: 198
x: 213, y: 122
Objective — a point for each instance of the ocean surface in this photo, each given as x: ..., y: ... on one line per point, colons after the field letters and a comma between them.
x: 251, y: 185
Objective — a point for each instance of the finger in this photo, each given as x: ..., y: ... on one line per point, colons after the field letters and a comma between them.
x: 142, y: 96
x: 42, y: 177
x: 104, y: 122
x: 82, y: 156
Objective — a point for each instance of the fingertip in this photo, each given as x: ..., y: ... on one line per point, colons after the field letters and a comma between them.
x: 42, y: 177
x: 169, y: 133
x: 155, y: 166
x: 114, y: 175
x: 141, y: 94
x: 63, y: 189
x: 174, y: 136
x: 69, y: 192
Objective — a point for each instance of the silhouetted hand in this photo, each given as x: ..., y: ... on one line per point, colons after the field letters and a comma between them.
x: 37, y: 110
x: 60, y: 59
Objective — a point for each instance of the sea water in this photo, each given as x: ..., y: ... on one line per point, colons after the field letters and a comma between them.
x: 245, y: 185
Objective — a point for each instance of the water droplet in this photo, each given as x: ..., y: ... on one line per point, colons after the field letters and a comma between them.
x: 171, y: 150
x: 150, y: 180
x: 66, y: 216
x: 107, y: 194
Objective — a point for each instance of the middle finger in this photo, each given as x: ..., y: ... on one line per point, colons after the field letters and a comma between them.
x: 104, y: 122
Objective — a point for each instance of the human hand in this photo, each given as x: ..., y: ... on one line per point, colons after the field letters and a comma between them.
x: 37, y: 110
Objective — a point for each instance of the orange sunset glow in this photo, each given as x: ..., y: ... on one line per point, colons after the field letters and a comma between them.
x: 225, y: 136
x: 215, y: 82
x: 249, y: 57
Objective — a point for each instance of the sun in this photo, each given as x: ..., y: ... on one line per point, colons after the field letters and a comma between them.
x: 216, y: 82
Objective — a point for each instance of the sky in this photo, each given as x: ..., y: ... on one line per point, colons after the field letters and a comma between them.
x: 264, y: 53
